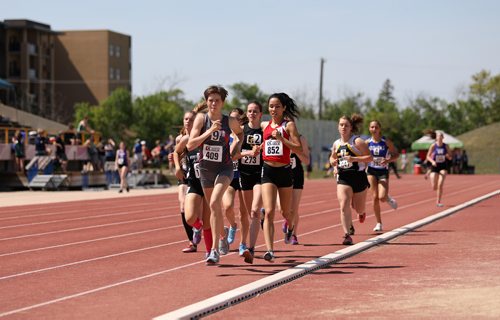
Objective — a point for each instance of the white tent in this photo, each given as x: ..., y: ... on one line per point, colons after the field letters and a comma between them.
x: 425, y: 142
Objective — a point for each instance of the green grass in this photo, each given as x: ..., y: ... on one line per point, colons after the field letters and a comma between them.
x: 483, y: 148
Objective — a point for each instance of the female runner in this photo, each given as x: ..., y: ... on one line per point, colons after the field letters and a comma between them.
x: 349, y: 155
x: 280, y: 138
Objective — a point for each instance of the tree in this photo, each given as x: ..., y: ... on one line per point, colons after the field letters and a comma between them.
x: 156, y: 116
x: 347, y: 106
x: 243, y: 94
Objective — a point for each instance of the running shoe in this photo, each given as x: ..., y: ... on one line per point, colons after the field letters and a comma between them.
x: 223, y: 243
x: 252, y: 251
x: 294, y: 241
x: 213, y: 257
x: 362, y: 217
x: 288, y: 236
x: 232, y: 234
x: 378, y: 227
x: 196, y: 236
x: 284, y: 226
x: 245, y: 253
x: 190, y: 248
x: 392, y: 202
x: 262, y: 217
x: 351, y: 230
x: 347, y: 240
x: 269, y: 256
x: 439, y: 205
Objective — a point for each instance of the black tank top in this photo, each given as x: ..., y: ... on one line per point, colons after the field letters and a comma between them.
x: 251, y: 137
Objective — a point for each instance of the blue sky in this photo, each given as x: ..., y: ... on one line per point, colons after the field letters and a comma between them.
x: 424, y: 47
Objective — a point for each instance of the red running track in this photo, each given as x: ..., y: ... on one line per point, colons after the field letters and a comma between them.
x: 121, y: 258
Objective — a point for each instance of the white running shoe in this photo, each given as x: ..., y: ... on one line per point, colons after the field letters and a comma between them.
x: 213, y: 257
x: 378, y: 227
x: 392, y: 202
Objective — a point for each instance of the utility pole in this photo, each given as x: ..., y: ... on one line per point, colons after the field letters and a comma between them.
x: 321, y: 88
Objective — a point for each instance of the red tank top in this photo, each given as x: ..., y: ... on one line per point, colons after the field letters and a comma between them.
x: 275, y: 150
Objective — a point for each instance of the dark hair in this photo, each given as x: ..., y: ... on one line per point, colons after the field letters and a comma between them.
x: 377, y: 122
x: 355, y: 120
x: 291, y: 110
x: 242, y: 117
x: 215, y: 90
x: 431, y: 133
x: 257, y: 103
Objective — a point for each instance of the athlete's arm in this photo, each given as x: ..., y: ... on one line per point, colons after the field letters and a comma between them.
x: 365, y: 155
x: 294, y: 142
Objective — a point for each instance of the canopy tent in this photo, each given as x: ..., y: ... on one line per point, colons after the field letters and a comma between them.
x: 425, y: 142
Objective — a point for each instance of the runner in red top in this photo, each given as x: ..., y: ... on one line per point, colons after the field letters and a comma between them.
x: 280, y: 136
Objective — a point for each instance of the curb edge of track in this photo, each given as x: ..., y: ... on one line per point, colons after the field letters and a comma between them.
x: 253, y: 289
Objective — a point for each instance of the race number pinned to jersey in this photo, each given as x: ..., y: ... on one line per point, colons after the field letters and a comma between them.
x: 249, y: 160
x: 273, y: 148
x: 212, y: 153
x: 197, y: 170
x: 216, y: 135
x: 254, y: 139
x: 377, y: 161
x: 343, y: 162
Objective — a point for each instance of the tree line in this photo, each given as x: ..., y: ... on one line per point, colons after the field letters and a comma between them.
x: 123, y: 117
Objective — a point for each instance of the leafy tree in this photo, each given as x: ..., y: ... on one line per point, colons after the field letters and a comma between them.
x: 347, y: 106
x: 156, y: 116
x: 243, y: 94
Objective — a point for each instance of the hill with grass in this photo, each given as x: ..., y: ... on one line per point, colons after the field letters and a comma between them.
x: 483, y: 148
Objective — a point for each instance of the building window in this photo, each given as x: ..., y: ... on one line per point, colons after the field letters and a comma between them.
x: 111, y: 73
x: 117, y: 51
x: 117, y: 74
x: 111, y: 50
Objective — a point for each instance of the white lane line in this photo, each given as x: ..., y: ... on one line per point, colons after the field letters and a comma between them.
x: 103, y: 208
x: 88, y: 218
x: 87, y: 241
x: 82, y: 228
x: 114, y: 255
x: 245, y: 292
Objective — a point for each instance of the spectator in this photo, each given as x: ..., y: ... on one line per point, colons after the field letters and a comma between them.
x: 100, y: 153
x: 83, y: 125
x: 70, y: 135
x: 92, y: 153
x: 19, y: 151
x: 404, y: 161
x: 169, y: 148
x: 146, y: 154
x: 465, y: 163
x: 156, y: 154
x: 138, y: 154
x: 109, y: 162
x: 61, y: 152
x: 41, y: 143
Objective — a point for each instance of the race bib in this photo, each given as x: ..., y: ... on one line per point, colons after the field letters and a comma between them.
x: 344, y: 164
x: 440, y: 158
x: 197, y: 170
x: 293, y: 162
x: 377, y: 161
x: 249, y: 160
x: 212, y: 153
x: 235, y: 165
x: 273, y: 148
